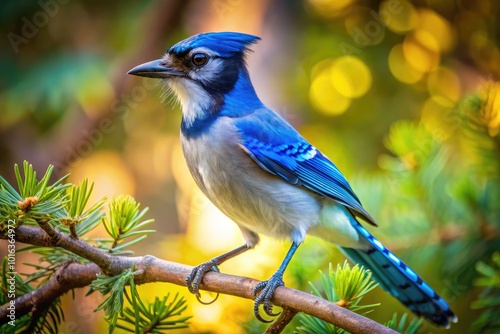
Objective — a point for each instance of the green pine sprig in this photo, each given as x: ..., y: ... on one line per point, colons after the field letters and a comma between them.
x: 67, y: 208
x: 50, y: 259
x: 157, y: 317
x: 125, y: 221
x: 480, y: 114
x: 402, y: 326
x: 114, y: 287
x: 489, y: 299
x: 35, y: 200
x: 344, y: 286
x: 79, y: 220
x: 351, y: 284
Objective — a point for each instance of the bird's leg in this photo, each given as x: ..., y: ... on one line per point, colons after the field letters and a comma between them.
x: 266, y: 289
x: 193, y: 280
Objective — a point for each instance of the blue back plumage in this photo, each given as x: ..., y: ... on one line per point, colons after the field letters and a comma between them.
x: 280, y: 150
x: 226, y: 44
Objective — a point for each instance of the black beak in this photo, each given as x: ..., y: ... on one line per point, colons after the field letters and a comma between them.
x: 154, y: 69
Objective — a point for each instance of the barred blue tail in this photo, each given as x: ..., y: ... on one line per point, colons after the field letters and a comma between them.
x: 400, y: 280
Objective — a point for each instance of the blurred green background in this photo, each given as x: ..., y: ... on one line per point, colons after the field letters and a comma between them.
x: 402, y: 96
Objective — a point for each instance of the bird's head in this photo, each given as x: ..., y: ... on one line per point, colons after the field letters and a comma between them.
x: 202, y: 70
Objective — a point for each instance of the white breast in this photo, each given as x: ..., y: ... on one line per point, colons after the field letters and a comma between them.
x: 253, y: 198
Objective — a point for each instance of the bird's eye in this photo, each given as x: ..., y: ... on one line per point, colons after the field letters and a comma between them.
x: 199, y: 59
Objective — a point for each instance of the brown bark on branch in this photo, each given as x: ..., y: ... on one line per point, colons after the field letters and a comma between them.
x: 67, y: 277
x: 283, y: 320
x: 152, y: 269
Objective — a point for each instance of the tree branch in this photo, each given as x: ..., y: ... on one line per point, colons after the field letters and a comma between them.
x: 152, y: 269
x: 283, y: 320
x: 67, y: 277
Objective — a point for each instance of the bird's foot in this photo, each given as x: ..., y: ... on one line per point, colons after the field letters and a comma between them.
x: 193, y: 280
x: 265, y: 292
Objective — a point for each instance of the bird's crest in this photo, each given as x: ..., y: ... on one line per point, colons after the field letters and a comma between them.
x: 226, y: 44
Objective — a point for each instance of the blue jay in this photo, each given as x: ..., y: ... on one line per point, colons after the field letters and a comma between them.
x: 260, y: 172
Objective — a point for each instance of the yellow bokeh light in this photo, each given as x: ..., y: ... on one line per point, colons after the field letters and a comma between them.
x: 323, y: 94
x: 444, y: 86
x: 490, y: 93
x: 109, y: 172
x: 162, y: 156
x: 206, y: 222
x: 398, y: 16
x: 208, y: 316
x: 180, y: 170
x: 330, y: 8
x: 438, y: 27
x: 436, y: 119
x: 184, y: 181
x: 400, y: 68
x: 427, y: 40
x: 351, y: 77
x: 418, y: 56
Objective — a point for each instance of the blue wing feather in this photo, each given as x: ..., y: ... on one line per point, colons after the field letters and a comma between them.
x: 280, y: 150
